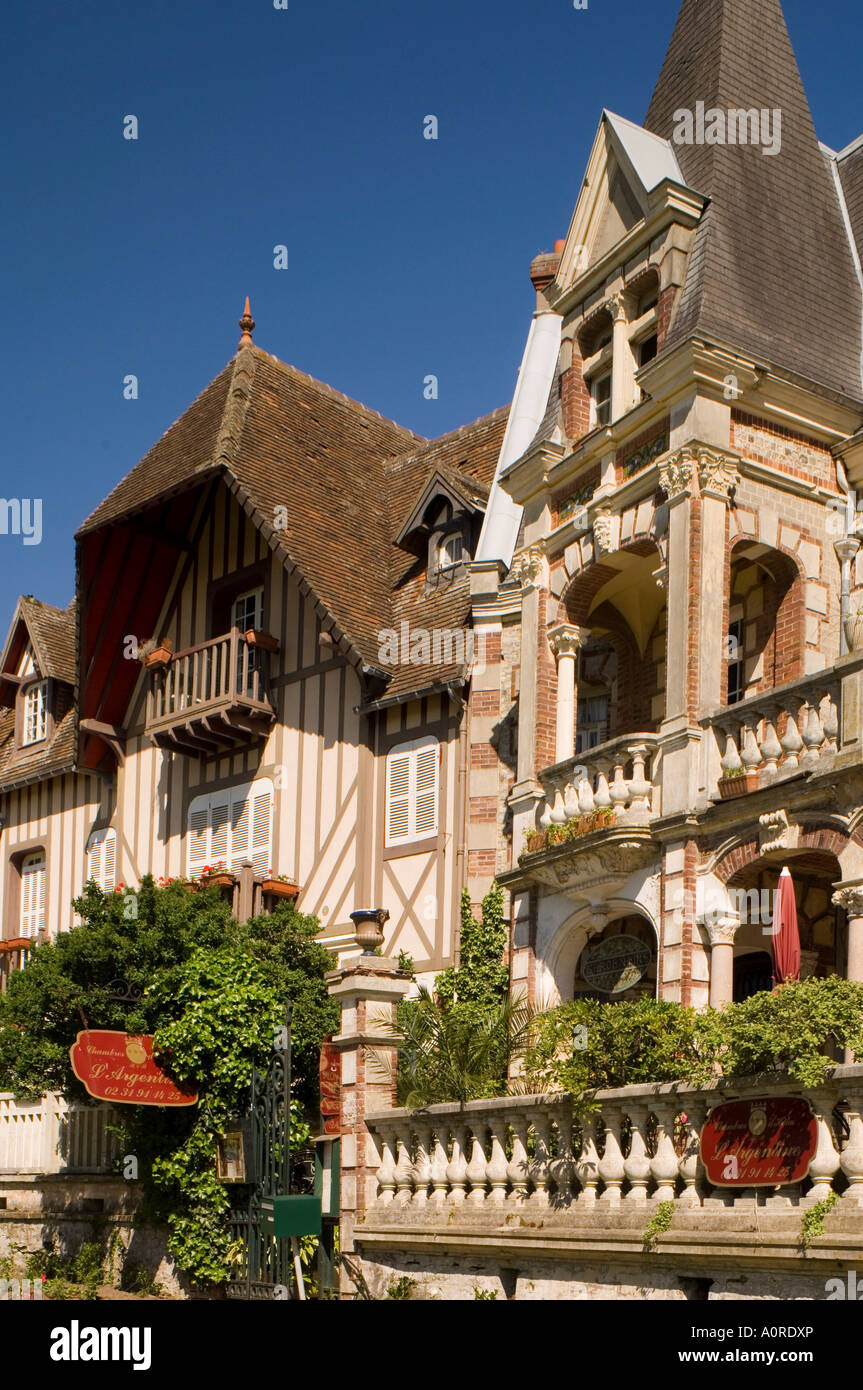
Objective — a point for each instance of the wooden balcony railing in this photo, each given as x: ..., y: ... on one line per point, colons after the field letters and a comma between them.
x: 212, y: 697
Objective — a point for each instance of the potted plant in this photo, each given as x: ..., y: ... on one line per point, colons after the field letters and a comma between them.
x: 735, y: 781
x: 218, y: 875
x: 279, y: 885
x: 264, y: 640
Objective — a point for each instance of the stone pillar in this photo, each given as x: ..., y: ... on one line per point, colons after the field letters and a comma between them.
x: 368, y: 989
x: 565, y: 641
x: 527, y: 793
x: 721, y: 932
x: 619, y: 351
x: 850, y: 897
x: 717, y: 478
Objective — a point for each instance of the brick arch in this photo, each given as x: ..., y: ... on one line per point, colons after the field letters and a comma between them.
x: 587, y: 581
x: 736, y: 858
x: 780, y: 628
x: 813, y: 838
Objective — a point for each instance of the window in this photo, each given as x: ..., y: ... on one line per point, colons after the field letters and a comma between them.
x: 412, y: 791
x: 36, y: 712
x: 230, y: 826
x: 101, y: 860
x: 646, y: 350
x: 248, y: 610
x: 591, y: 722
x: 33, y: 886
x: 600, y: 391
x: 451, y: 550
x: 734, y: 652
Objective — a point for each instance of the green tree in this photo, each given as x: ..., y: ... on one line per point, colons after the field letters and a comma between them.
x: 213, y: 992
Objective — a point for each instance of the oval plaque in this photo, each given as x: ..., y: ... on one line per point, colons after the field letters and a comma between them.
x: 759, y: 1143
x: 616, y: 964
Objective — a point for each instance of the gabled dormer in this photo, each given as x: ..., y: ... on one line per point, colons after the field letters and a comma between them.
x: 446, y: 518
x: 37, y: 681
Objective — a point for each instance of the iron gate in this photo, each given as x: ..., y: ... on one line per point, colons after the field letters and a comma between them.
x: 263, y: 1269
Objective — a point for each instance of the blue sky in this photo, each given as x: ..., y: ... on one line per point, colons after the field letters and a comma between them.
x: 301, y: 127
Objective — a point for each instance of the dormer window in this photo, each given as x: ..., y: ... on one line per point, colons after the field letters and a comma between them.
x: 451, y: 550
x: 35, y: 713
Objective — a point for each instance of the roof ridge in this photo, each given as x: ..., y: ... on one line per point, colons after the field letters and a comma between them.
x: 327, y: 390
x: 443, y: 438
x: 234, y: 411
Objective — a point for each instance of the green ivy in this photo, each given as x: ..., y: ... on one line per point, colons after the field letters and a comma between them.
x: 658, y: 1224
x: 813, y: 1219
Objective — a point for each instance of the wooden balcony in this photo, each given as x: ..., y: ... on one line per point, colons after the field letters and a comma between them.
x: 212, y: 698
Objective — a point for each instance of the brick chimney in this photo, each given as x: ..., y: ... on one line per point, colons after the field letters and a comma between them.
x: 543, y: 267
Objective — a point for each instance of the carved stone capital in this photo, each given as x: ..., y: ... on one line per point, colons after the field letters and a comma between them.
x: 616, y: 307
x: 529, y: 568
x: 721, y: 929
x: 774, y: 831
x: 851, y: 898
x: 566, y: 640
x: 677, y: 472
x: 717, y: 473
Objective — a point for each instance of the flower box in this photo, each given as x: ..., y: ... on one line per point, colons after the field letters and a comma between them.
x: 219, y: 877
x: 160, y: 656
x: 280, y: 888
x: 264, y: 640
x: 19, y: 943
x: 736, y: 786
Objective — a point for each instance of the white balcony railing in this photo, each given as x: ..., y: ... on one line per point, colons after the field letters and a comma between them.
x: 616, y: 783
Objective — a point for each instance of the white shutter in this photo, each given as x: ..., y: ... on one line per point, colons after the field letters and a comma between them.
x: 412, y: 783
x: 425, y: 791
x: 231, y: 826
x: 261, y: 828
x: 33, y: 885
x: 101, y: 860
x: 199, y: 835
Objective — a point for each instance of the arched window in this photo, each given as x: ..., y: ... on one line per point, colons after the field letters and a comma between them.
x: 35, y: 713
x: 101, y: 860
x: 412, y: 791
x: 33, y: 893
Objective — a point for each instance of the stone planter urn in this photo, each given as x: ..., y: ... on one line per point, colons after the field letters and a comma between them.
x: 854, y: 630
x: 369, y: 927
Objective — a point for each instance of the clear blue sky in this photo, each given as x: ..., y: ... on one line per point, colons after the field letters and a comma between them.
x: 260, y: 127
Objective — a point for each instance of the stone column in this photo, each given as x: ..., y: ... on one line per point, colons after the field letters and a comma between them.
x: 717, y: 478
x: 619, y: 348
x: 565, y: 641
x: 850, y: 897
x: 721, y: 931
x: 368, y: 989
x: 679, y: 770
x: 527, y: 793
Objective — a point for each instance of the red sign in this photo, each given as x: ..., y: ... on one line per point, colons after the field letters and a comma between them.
x: 119, y: 1067
x: 331, y: 1085
x: 758, y: 1143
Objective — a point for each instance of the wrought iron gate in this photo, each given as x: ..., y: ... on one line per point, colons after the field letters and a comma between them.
x: 263, y: 1269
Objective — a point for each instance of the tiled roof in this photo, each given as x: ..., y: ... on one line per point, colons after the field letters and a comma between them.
x: 345, y: 476
x: 18, y: 766
x: 850, y: 166
x: 52, y: 632
x: 771, y: 271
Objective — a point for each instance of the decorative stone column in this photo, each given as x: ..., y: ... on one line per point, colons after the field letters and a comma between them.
x: 566, y: 641
x: 368, y: 989
x: 721, y: 931
x: 526, y: 794
x: 619, y: 348
x: 717, y: 478
x: 850, y: 897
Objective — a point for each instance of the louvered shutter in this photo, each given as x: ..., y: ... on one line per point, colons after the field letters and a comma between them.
x: 101, y: 860
x: 261, y: 827
x: 240, y: 824
x: 398, y: 796
x: 199, y: 835
x: 33, y: 886
x: 425, y: 790
x: 412, y: 791
x: 220, y: 826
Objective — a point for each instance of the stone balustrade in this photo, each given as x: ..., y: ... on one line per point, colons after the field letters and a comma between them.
x: 618, y: 779
x: 638, y: 1148
x: 794, y: 727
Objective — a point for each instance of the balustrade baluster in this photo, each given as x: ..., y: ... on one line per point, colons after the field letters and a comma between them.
x: 813, y: 735
x: 639, y: 786
x: 404, y: 1166
x: 387, y: 1166
x: 570, y: 801
x: 422, y: 1165
x: 771, y: 748
x: 478, y: 1165
x: 611, y: 1166
x: 456, y: 1170
x: 664, y: 1165
x: 690, y: 1159
x: 585, y: 797
x: 750, y: 753
x: 619, y: 789
x: 637, y: 1162
x: 851, y: 1159
x: 602, y: 796
x: 540, y: 1168
x: 587, y: 1163
x: 517, y: 1168
x: 730, y: 759
x: 791, y: 742
x: 496, y: 1170
x: 438, y: 1169
x: 563, y: 1167
x: 558, y: 813
x: 830, y: 723
x: 825, y: 1161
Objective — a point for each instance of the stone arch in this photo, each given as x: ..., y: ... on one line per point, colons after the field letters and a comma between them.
x: 561, y: 957
x: 765, y: 617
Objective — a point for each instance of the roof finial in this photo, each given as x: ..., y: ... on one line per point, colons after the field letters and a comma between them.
x: 247, y: 323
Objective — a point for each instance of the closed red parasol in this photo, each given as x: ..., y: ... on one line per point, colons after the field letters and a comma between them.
x: 786, y: 937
